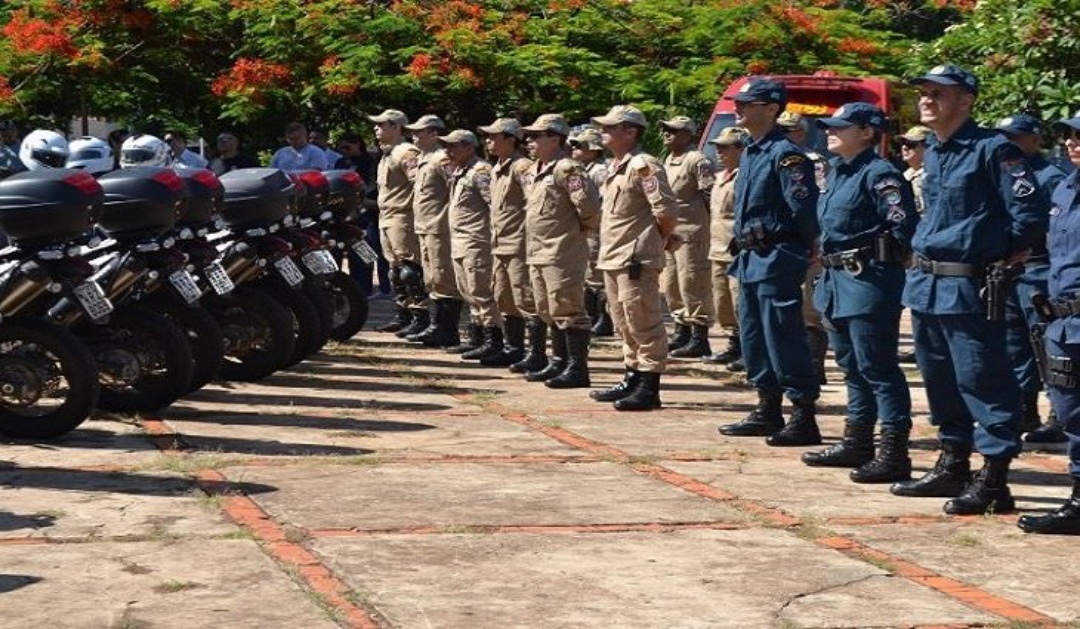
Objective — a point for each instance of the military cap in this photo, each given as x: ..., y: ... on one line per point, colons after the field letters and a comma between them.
x: 509, y: 126
x: 622, y: 113
x: 730, y: 136
x: 680, y: 123
x: 918, y: 133
x: 549, y: 122
x: 390, y: 115
x: 791, y: 120
x: 1020, y: 123
x: 761, y: 90
x: 589, y: 138
x: 949, y: 74
x: 458, y: 136
x: 862, y: 114
x: 430, y: 121
x: 1068, y: 123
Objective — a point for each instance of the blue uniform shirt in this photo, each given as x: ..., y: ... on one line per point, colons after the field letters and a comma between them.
x: 310, y: 157
x: 982, y: 204
x: 1064, y: 244
x: 863, y: 197
x: 776, y: 192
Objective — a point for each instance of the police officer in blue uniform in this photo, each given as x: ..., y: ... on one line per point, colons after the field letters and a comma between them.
x: 1063, y: 332
x: 983, y: 212
x: 775, y: 234
x: 867, y: 217
x: 1025, y: 131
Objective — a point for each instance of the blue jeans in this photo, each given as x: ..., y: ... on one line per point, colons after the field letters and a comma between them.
x: 1066, y: 403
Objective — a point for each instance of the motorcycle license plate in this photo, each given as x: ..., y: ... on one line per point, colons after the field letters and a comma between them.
x: 320, y: 262
x: 365, y: 252
x: 93, y: 300
x: 219, y: 279
x: 185, y: 285
x: 289, y: 271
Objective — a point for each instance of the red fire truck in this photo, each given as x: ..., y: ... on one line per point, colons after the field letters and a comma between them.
x: 819, y: 95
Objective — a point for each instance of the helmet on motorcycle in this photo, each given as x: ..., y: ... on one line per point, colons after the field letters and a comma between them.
x: 43, y: 149
x: 144, y: 150
x: 90, y: 154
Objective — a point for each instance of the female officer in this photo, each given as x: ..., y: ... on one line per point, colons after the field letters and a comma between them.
x: 1063, y: 332
x: 867, y: 217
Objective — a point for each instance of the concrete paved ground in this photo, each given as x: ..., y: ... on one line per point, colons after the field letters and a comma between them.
x: 381, y: 485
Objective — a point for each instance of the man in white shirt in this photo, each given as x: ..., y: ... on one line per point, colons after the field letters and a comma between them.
x: 182, y: 157
x: 299, y: 154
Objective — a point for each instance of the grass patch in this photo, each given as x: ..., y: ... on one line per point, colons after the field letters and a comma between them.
x: 879, y: 563
x: 354, y: 434
x: 460, y: 529
x: 811, y: 529
x: 963, y: 538
x: 131, y: 567
x: 188, y: 464
x: 128, y: 621
x: 173, y: 586
x: 482, y: 397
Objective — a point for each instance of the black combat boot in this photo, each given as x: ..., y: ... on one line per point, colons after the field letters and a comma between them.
x: 892, y: 463
x: 514, y: 328
x: 801, y: 429
x: 603, y: 324
x: 402, y: 315
x: 989, y: 492
x: 818, y: 340
x: 679, y: 338
x: 576, y: 373
x: 737, y: 365
x: 645, y: 396
x: 950, y: 474
x: 491, y: 347
x: 1047, y: 434
x: 592, y: 302
x: 624, y: 388
x: 420, y: 321
x: 536, y: 358
x: 856, y: 448
x: 1065, y: 520
x: 445, y: 331
x: 559, y: 354
x: 731, y: 353
x: 762, y: 421
x: 1029, y: 407
x: 697, y: 346
x: 474, y: 338
x: 433, y: 325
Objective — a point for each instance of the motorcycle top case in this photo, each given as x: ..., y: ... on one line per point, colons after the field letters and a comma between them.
x: 205, y: 197
x: 141, y: 202
x: 256, y: 197
x: 44, y: 207
x: 346, y: 192
x: 312, y: 192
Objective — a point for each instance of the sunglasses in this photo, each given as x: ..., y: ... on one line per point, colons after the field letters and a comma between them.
x: 910, y: 145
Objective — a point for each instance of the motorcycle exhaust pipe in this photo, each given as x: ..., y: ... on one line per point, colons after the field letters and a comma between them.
x: 24, y: 292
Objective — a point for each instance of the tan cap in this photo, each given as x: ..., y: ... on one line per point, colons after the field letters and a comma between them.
x: 390, y: 115
x: 590, y: 138
x: 790, y: 120
x: 430, y: 121
x: 680, y: 123
x: 458, y: 136
x: 918, y: 133
x: 730, y: 136
x: 549, y: 122
x: 622, y: 113
x: 509, y: 126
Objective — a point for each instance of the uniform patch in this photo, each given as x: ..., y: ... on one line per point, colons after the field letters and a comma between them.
x: 411, y: 163
x: 704, y: 169
x: 1015, y: 167
x: 650, y: 184
x: 792, y: 161
x: 800, y: 191
x: 1022, y: 188
x: 574, y: 183
x: 482, y: 180
x: 887, y: 183
x: 1054, y: 211
x: 796, y: 175
x: 896, y: 214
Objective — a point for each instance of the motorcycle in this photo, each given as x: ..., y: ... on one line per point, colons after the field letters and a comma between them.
x: 337, y: 230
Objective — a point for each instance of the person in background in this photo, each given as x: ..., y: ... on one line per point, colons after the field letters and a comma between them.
x: 9, y: 157
x: 182, y: 156
x: 318, y: 138
x: 355, y: 156
x: 299, y: 154
x: 9, y: 135
x: 229, y: 156
x: 913, y: 152
x: 588, y: 149
x: 116, y: 140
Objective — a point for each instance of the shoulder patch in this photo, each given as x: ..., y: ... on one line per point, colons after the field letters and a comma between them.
x: 791, y: 161
x: 522, y: 166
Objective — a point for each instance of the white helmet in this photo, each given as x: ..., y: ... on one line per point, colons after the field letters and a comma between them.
x: 144, y: 150
x: 43, y: 149
x: 93, y: 155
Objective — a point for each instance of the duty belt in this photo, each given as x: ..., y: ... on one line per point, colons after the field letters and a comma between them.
x: 1059, y: 308
x: 765, y: 242
x: 945, y: 269
x: 1062, y: 372
x: 851, y: 260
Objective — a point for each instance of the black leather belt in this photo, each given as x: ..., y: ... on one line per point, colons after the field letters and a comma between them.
x: 1064, y: 307
x: 846, y: 258
x: 768, y: 241
x: 945, y: 269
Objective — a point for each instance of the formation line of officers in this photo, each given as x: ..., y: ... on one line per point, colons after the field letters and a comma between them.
x: 981, y: 241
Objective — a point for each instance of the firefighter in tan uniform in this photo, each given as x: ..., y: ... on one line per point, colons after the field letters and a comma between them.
x: 562, y: 208
x: 639, y: 216
x: 686, y: 279
x: 431, y: 202
x: 587, y: 148
x: 729, y: 146
x: 470, y: 240
x: 513, y: 291
x: 397, y: 170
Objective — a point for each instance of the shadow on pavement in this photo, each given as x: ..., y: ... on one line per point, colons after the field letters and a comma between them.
x: 297, y: 421
x: 229, y: 445
x: 12, y: 521
x: 315, y: 382
x: 88, y: 439
x: 12, y: 582
x: 113, y: 482
x: 286, y: 401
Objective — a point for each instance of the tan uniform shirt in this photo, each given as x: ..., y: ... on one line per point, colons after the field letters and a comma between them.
x: 511, y: 180
x: 692, y: 177
x: 470, y: 210
x: 598, y: 172
x: 397, y: 171
x: 563, y: 205
x: 722, y: 216
x: 915, y: 176
x: 635, y: 194
x: 431, y: 192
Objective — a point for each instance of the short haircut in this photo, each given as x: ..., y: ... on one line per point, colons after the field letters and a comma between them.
x: 293, y: 127
x: 178, y: 135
